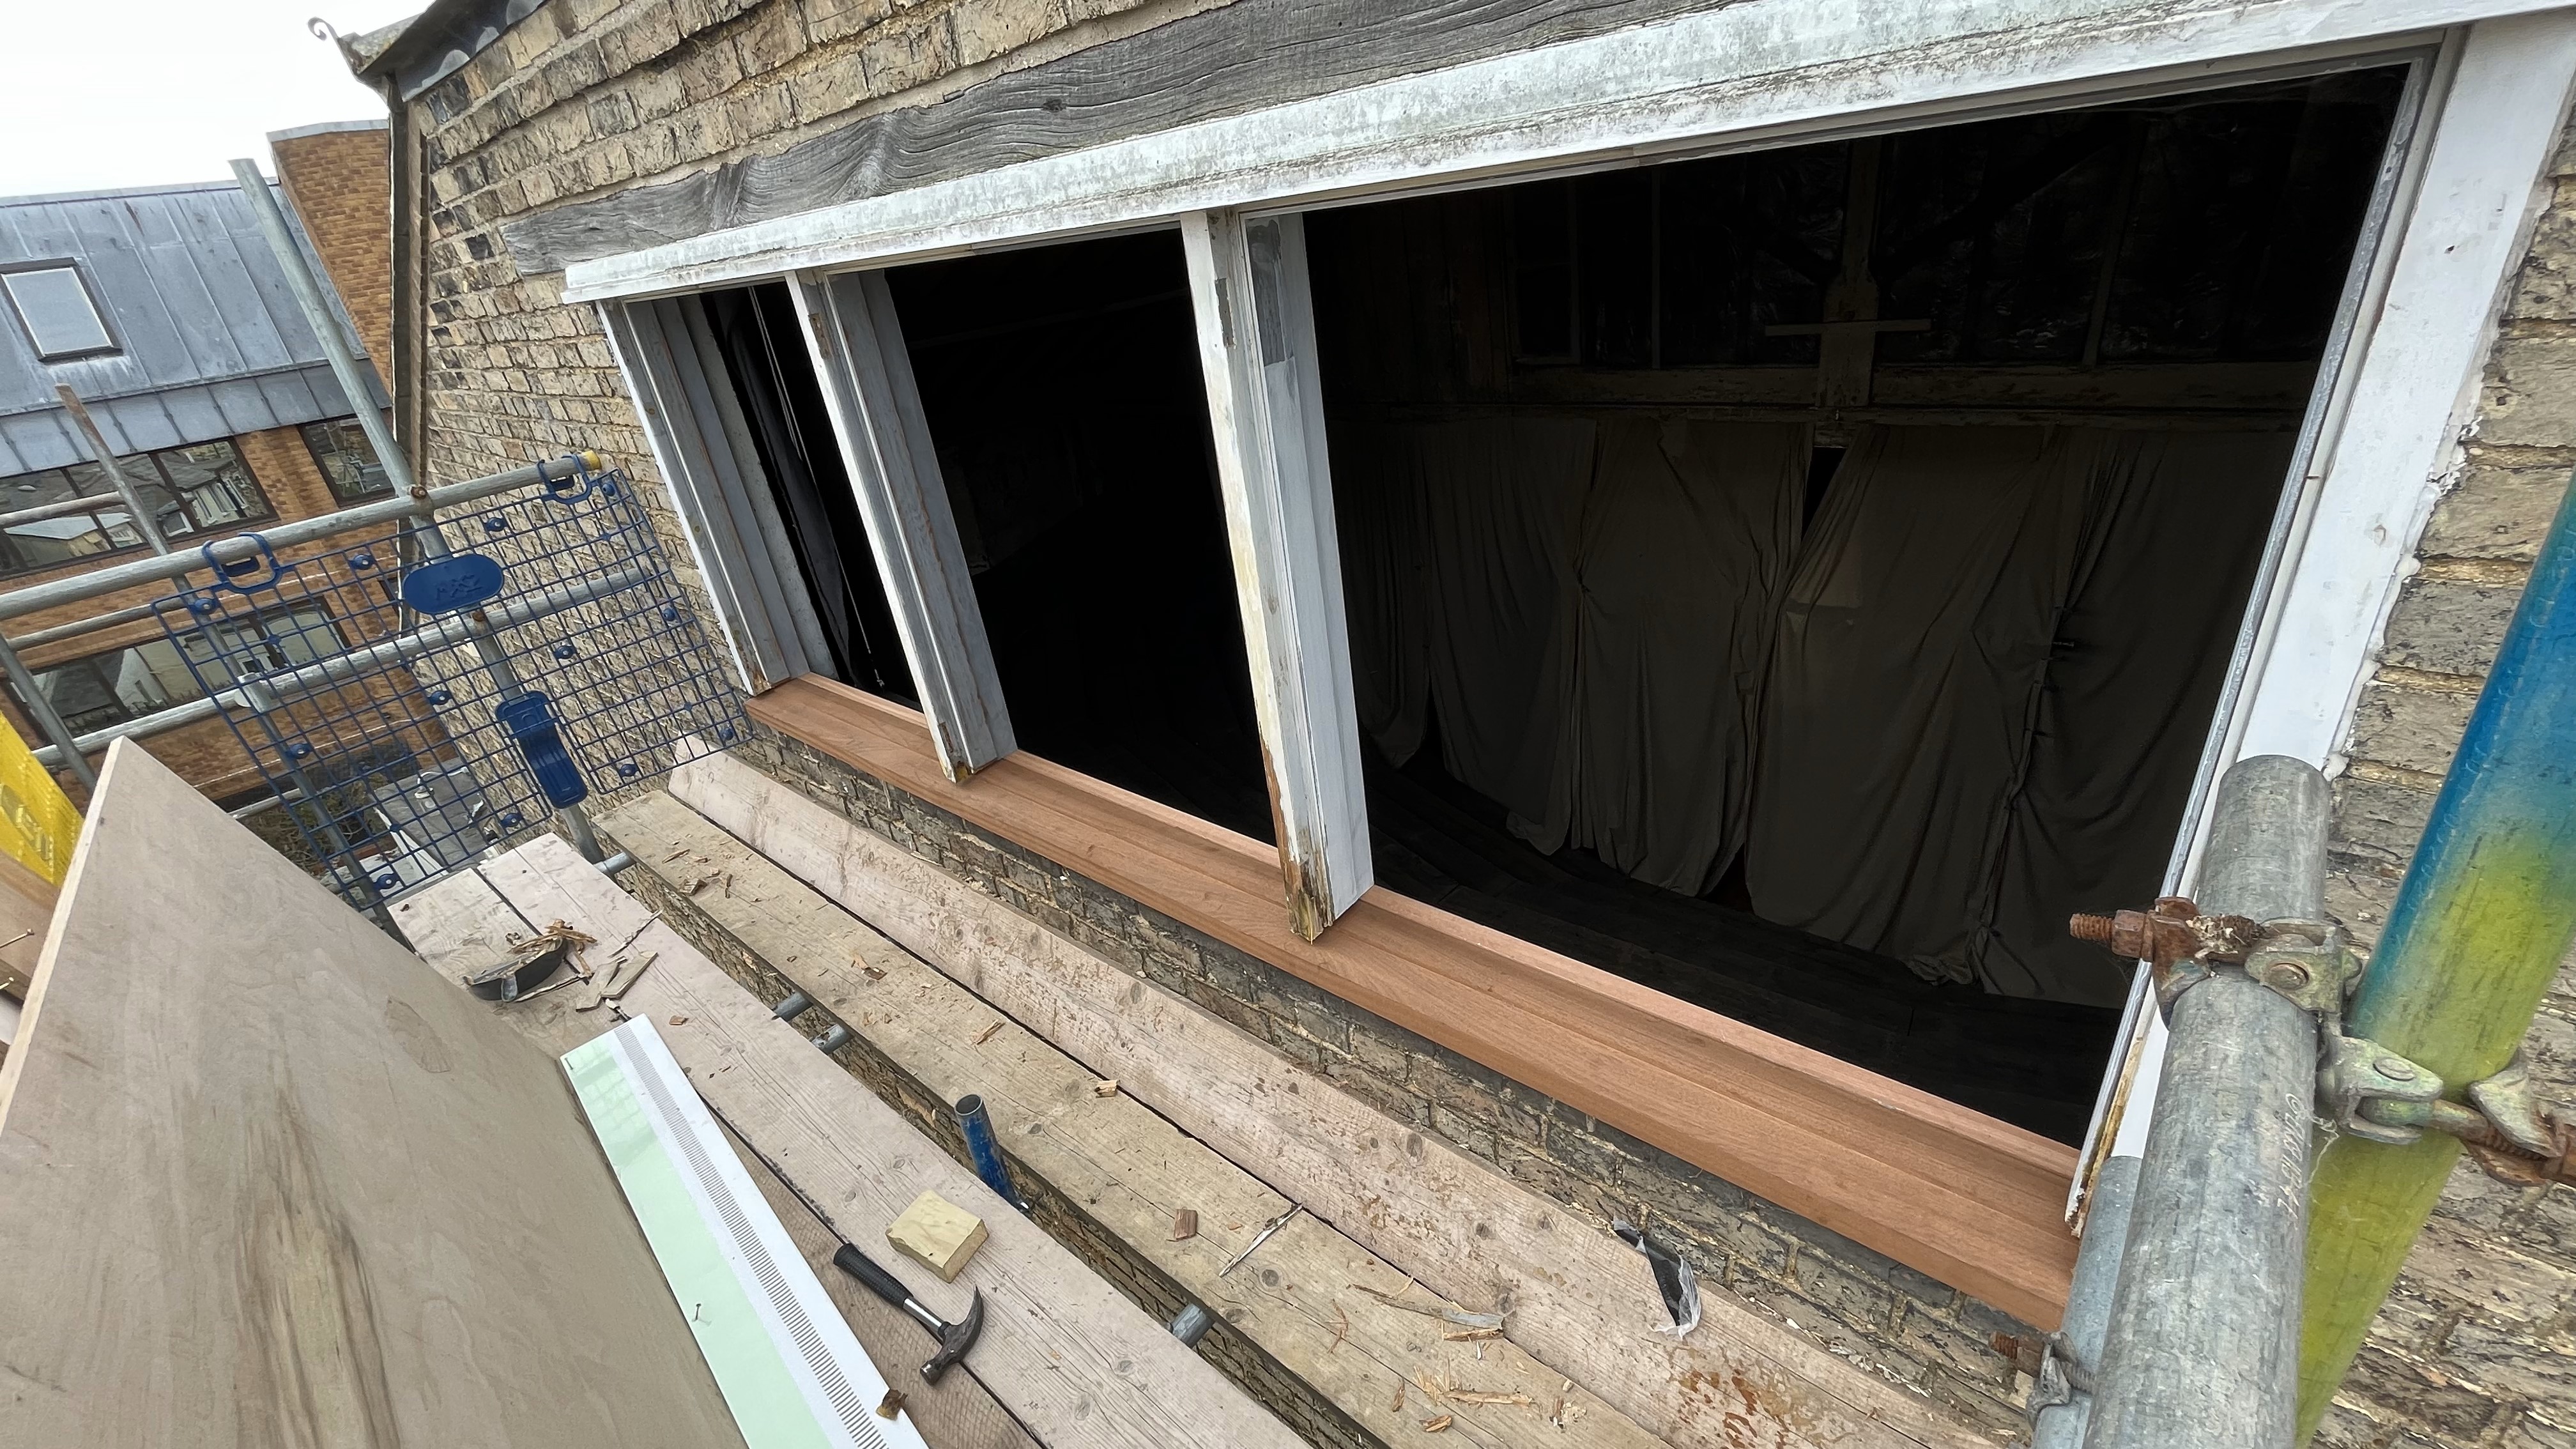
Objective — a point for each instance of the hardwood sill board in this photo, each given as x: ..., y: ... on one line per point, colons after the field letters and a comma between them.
x: 1972, y: 1201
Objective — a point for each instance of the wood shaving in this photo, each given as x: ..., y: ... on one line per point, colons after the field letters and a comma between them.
x: 679, y: 1021
x: 1439, y: 1425
x: 891, y: 1404
x: 1107, y: 1088
x: 675, y: 855
x: 1443, y: 1311
x: 1398, y: 1405
x: 988, y: 1033
x: 873, y: 973
x: 698, y: 884
x: 728, y: 885
x: 1465, y: 1334
x: 1481, y: 1396
x: 1185, y: 1225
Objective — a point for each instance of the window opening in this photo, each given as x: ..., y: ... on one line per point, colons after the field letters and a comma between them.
x: 54, y: 305
x: 347, y: 461
x: 782, y: 407
x: 199, y: 488
x: 1063, y: 393
x: 1759, y: 568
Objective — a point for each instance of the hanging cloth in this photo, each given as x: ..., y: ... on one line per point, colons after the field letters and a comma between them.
x: 1686, y: 540
x: 2174, y: 530
x: 1466, y: 543
x: 1897, y: 712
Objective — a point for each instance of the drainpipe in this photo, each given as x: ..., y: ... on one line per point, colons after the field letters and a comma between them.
x: 2484, y: 916
x: 2201, y: 1347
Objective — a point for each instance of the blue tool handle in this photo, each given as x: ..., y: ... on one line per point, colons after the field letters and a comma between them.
x: 530, y: 719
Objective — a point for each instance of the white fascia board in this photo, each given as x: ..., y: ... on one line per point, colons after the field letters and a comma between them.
x: 1745, y: 74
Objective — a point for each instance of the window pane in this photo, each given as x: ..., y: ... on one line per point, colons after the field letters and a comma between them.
x: 160, y: 658
x: 55, y: 308
x: 214, y: 483
x: 135, y: 686
x: 348, y: 462
x: 80, y: 696
x: 51, y: 541
x: 28, y: 490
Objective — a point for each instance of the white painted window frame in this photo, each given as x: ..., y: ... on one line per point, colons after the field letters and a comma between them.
x: 702, y: 448
x: 1773, y: 72
x: 1256, y: 333
x: 856, y: 342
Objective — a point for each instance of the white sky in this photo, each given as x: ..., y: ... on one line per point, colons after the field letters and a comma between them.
x: 143, y: 92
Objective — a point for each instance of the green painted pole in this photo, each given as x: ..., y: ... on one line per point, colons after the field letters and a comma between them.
x: 2487, y: 910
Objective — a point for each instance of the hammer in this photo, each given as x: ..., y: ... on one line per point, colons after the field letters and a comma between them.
x: 954, y: 1338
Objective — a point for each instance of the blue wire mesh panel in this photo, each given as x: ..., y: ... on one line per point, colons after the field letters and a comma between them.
x: 431, y: 694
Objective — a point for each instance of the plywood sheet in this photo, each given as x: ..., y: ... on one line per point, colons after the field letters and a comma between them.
x: 271, y: 1182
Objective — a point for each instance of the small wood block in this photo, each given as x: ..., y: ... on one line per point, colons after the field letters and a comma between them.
x: 937, y: 1234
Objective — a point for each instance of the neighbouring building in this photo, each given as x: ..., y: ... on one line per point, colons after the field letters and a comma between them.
x: 1602, y: 577
x: 164, y: 311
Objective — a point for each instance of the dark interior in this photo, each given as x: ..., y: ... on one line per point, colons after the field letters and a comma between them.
x: 2166, y: 267
x: 1062, y: 389
x: 781, y: 405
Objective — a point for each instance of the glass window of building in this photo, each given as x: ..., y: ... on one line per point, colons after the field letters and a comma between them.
x: 54, y: 305
x: 103, y: 690
x: 348, y: 462
x: 199, y: 488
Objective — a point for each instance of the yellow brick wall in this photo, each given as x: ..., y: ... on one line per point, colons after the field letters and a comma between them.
x: 341, y: 186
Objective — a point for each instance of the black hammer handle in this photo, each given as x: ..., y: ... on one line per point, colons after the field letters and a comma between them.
x: 880, y: 1282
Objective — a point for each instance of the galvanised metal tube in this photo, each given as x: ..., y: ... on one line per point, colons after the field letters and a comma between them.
x: 324, y: 322
x: 2486, y: 912
x: 78, y: 627
x: 19, y: 603
x: 2088, y: 1302
x: 48, y: 720
x: 105, y: 457
x: 64, y: 508
x: 449, y: 632
x: 976, y: 1124
x: 2202, y: 1346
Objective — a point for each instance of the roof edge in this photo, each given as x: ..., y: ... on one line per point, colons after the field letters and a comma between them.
x: 325, y: 128
x: 172, y: 188
x: 437, y: 42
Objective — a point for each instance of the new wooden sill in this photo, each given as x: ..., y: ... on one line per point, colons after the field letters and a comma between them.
x: 1974, y: 1202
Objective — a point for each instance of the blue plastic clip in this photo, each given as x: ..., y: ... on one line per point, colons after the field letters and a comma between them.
x: 530, y: 719
x: 229, y: 575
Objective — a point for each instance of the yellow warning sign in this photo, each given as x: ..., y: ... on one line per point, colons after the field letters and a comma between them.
x: 37, y: 822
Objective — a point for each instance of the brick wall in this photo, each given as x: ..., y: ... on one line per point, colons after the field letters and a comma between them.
x: 339, y: 179
x: 2478, y: 1344
x: 586, y: 96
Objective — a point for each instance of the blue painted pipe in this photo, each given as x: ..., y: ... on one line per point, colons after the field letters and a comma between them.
x: 978, y: 1126
x: 2484, y: 915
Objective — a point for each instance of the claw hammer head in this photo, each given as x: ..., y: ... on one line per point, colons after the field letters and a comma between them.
x: 955, y: 1339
